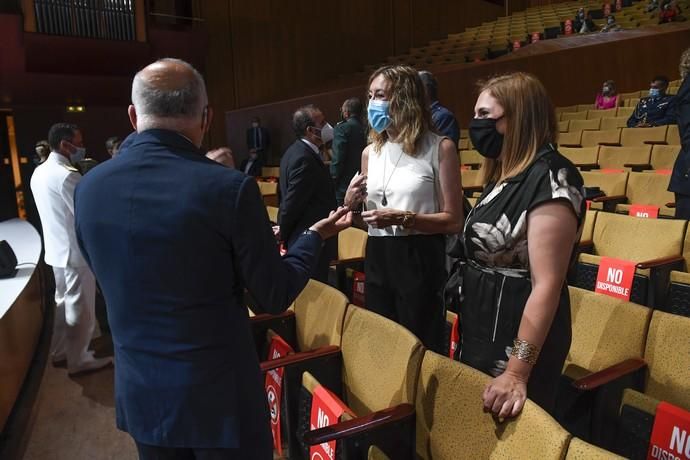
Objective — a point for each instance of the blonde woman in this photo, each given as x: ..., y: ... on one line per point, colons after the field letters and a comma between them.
x: 519, y: 241
x: 680, y: 182
x: 410, y: 186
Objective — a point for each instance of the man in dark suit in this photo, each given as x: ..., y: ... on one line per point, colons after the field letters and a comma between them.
x: 258, y: 139
x: 306, y: 188
x: 174, y: 238
x: 443, y: 119
x: 349, y: 140
x: 657, y: 109
x: 251, y: 165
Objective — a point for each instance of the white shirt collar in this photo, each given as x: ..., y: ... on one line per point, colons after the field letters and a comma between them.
x: 313, y: 146
x: 58, y: 158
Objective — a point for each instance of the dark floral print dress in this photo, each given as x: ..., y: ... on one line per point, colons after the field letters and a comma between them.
x: 496, y: 277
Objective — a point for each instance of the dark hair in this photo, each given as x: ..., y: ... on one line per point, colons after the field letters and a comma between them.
x: 353, y: 107
x: 112, y: 142
x: 430, y: 84
x: 662, y: 78
x: 303, y: 118
x: 61, y: 132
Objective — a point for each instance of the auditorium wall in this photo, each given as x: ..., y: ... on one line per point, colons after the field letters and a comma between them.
x: 263, y: 51
x: 572, y: 70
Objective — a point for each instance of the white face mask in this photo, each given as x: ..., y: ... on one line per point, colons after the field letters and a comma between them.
x: 78, y: 155
x: 326, y: 133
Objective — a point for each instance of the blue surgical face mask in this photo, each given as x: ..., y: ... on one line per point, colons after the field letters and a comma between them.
x: 78, y: 155
x: 379, y: 119
x: 654, y: 92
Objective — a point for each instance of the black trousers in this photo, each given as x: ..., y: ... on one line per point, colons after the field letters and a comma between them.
x: 682, y: 206
x: 147, y: 452
x: 405, y: 276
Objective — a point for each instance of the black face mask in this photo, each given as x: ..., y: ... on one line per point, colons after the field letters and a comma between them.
x: 485, y: 138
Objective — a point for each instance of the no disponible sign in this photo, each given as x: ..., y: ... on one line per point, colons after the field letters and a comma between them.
x: 671, y: 434
x: 615, y: 277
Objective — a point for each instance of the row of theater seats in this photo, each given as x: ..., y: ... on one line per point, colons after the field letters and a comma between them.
x: 406, y: 402
x: 495, y: 38
x: 666, y: 134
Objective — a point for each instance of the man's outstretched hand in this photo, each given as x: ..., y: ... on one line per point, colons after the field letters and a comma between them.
x: 336, y: 222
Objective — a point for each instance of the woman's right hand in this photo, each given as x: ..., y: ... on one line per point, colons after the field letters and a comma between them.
x: 356, y: 191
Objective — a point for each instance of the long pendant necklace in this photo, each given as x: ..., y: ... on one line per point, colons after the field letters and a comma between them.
x: 384, y: 200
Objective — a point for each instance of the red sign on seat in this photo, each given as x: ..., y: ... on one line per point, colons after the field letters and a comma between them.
x: 273, y: 385
x: 615, y: 277
x: 358, y: 289
x: 611, y: 170
x: 326, y: 409
x: 671, y: 433
x: 665, y: 172
x: 454, y: 338
x: 644, y: 211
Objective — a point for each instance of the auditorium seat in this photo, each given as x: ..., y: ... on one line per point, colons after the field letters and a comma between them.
x: 678, y: 298
x: 613, y: 185
x: 581, y: 125
x: 563, y: 126
x: 664, y: 156
x: 602, y: 137
x: 570, y: 108
x: 648, y: 189
x: 463, y: 144
x: 269, y: 192
x: 583, y: 157
x: 588, y: 225
x: 584, y: 107
x: 464, y: 134
x: 655, y: 245
x: 606, y: 334
x: 666, y: 354
x: 270, y: 171
x: 452, y: 424
x: 598, y: 114
x: 471, y: 180
x: 581, y: 450
x: 570, y: 139
x: 272, y: 214
x: 614, y: 122
x: 574, y: 115
x: 625, y: 112
x: 628, y: 96
x: 380, y: 362
x: 636, y: 158
x: 640, y: 136
x: 632, y: 102
x: 673, y: 135
x: 471, y: 158
x: 352, y: 246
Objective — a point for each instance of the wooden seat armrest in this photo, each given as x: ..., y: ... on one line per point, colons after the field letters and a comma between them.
x: 300, y: 357
x: 347, y: 261
x: 359, y: 425
x: 604, y: 376
x: 472, y: 189
x: 610, y: 144
x: 656, y: 142
x: 604, y: 199
x: 585, y: 246
x: 655, y: 263
x: 261, y: 317
x: 638, y: 167
x: 587, y: 166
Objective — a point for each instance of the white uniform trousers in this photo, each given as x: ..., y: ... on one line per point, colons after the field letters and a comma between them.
x: 75, y: 316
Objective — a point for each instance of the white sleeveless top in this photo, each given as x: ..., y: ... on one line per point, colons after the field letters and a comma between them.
x: 412, y: 185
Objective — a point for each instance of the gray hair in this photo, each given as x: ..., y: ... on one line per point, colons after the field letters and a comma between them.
x: 187, y: 101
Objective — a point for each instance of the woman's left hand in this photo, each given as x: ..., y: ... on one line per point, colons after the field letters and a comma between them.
x: 505, y: 395
x: 382, y: 218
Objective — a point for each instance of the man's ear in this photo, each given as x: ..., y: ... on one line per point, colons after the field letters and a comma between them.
x: 132, y: 112
x: 209, y: 118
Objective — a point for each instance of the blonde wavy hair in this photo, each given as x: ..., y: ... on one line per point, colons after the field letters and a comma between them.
x: 530, y: 123
x: 409, y: 107
x: 684, y: 66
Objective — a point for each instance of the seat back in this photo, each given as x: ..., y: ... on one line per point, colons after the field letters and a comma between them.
x: 580, y: 156
x: 640, y: 136
x: 574, y: 115
x: 606, y: 330
x: 581, y: 450
x: 614, y: 122
x: 588, y: 225
x: 608, y: 136
x: 381, y: 361
x: 267, y: 188
x: 617, y: 157
x: 319, y: 313
x: 451, y: 422
x: 597, y: 114
x: 272, y: 213
x: 352, y: 243
x: 270, y: 171
x: 563, y: 126
x: 471, y: 177
x: 635, y: 239
x: 632, y: 102
x: 664, y: 156
x: 468, y: 157
x: 611, y: 184
x: 572, y: 138
x: 646, y: 188
x: 667, y: 354
x: 673, y: 135
x: 580, y: 125
x: 625, y: 112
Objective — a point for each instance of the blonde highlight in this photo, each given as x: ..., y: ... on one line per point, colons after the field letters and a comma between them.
x: 409, y: 107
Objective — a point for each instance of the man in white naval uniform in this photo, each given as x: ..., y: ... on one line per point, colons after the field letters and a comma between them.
x: 53, y: 184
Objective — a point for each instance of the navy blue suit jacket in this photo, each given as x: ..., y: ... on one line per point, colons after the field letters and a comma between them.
x: 173, y: 239
x: 680, y: 180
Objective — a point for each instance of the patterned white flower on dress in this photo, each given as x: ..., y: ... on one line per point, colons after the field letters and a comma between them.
x: 561, y: 189
x: 501, y: 244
